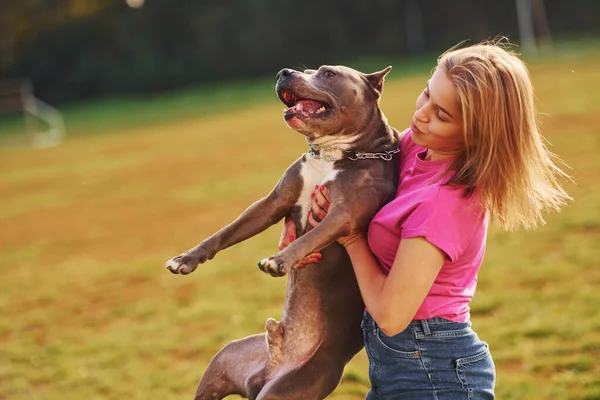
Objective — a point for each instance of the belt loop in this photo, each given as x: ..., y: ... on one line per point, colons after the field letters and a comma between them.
x: 425, y: 327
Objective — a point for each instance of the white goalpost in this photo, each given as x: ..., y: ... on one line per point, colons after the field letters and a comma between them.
x: 44, y: 124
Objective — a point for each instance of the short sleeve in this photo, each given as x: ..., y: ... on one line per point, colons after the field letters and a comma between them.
x: 448, y: 221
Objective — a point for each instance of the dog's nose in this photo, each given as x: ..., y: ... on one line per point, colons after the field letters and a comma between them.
x: 284, y: 73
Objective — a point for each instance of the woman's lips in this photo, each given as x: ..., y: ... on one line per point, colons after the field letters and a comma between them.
x: 414, y: 128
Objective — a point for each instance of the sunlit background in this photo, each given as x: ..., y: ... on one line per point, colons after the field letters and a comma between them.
x: 130, y: 130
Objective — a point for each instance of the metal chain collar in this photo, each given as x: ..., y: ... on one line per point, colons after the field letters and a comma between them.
x: 387, y: 156
x: 327, y: 154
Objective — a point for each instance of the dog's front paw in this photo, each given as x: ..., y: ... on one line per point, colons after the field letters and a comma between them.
x: 182, y: 264
x: 186, y: 262
x: 273, y: 266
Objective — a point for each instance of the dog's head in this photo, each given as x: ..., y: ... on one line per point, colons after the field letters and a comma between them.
x: 333, y: 100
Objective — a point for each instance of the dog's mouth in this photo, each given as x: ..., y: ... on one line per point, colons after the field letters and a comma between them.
x: 303, y: 108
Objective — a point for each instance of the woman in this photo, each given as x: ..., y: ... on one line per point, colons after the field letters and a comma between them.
x: 473, y: 152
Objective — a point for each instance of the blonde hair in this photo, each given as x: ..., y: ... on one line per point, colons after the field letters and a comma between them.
x: 505, y: 161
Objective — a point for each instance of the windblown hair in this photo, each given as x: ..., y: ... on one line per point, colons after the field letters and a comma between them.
x: 505, y: 162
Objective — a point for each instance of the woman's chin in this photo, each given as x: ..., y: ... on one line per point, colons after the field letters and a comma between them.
x: 417, y: 139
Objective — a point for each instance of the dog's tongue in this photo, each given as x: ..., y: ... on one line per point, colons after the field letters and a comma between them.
x: 309, y: 106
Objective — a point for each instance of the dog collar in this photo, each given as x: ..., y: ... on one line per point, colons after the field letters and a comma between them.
x: 331, y: 153
x: 334, y: 153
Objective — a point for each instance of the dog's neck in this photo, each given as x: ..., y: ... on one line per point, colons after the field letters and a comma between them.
x: 331, y: 148
x: 381, y: 143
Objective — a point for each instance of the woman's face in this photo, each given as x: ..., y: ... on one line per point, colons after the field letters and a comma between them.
x: 437, y: 122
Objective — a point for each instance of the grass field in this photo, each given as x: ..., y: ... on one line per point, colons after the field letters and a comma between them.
x: 89, y: 312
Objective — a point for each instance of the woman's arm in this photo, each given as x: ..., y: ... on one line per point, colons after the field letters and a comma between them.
x: 392, y: 300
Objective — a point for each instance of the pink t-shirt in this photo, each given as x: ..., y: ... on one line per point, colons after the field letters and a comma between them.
x: 444, y: 217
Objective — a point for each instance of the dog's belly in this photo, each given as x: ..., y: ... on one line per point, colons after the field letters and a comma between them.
x: 314, y: 172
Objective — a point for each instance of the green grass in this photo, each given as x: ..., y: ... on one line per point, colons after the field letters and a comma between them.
x: 116, y: 113
x: 89, y: 312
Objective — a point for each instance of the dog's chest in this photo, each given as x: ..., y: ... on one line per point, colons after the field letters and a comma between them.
x: 314, y: 172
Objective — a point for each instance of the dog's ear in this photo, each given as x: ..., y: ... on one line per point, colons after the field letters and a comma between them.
x: 376, y: 79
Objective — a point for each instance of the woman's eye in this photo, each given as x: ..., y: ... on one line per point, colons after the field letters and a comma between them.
x: 426, y: 92
x: 328, y: 74
x: 439, y: 115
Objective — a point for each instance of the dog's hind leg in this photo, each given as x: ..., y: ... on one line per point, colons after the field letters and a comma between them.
x: 314, y: 380
x: 230, y: 368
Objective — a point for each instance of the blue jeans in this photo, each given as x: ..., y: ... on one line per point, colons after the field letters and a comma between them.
x: 433, y: 359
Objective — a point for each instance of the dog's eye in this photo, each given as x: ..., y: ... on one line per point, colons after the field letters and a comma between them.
x: 328, y: 74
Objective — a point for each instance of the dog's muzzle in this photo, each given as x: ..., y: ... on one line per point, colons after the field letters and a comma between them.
x: 284, y: 74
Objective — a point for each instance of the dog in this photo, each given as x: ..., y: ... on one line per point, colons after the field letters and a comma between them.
x: 352, y: 151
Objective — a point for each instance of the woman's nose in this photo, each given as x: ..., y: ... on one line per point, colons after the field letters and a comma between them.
x: 421, y: 115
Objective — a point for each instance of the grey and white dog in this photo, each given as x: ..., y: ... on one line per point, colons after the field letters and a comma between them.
x: 353, y: 153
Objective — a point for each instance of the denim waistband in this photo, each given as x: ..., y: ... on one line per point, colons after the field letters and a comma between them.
x: 432, y: 321
x: 423, y: 325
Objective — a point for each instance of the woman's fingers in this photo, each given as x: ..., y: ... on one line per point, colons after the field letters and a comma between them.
x: 325, y: 193
x: 319, y: 208
x: 315, y: 255
x: 288, y: 234
x: 321, y: 198
x: 312, y: 258
x: 320, y: 205
x: 314, y: 219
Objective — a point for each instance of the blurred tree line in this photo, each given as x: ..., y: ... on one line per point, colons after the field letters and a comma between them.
x: 73, y: 49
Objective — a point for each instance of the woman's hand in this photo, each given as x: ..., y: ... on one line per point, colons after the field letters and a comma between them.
x: 319, y: 209
x: 288, y: 235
